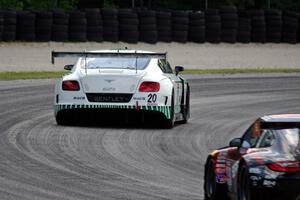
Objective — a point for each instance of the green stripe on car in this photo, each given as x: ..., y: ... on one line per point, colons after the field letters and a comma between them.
x: 166, y: 110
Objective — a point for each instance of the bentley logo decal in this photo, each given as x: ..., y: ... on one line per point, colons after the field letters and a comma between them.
x: 109, y: 81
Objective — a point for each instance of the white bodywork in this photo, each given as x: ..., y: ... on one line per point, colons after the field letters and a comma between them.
x: 122, y: 81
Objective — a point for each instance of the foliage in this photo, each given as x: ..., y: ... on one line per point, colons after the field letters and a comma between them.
x: 11, y: 4
x: 38, y: 4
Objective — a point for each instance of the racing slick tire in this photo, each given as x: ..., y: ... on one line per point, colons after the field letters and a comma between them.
x: 186, y: 107
x: 169, y: 123
x: 213, y: 190
x: 61, y: 119
x: 245, y: 192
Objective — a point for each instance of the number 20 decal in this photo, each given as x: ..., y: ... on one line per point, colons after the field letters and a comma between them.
x: 152, y: 98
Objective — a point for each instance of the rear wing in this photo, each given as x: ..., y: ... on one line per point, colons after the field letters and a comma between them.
x: 56, y: 54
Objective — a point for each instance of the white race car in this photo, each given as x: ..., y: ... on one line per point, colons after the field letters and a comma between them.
x: 122, y: 80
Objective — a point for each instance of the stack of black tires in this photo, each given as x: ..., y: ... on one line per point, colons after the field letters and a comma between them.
x: 10, y: 26
x: 43, y: 26
x: 94, y: 27
x: 60, y: 26
x: 1, y: 25
x: 164, y: 26
x: 128, y: 26
x: 213, y: 26
x: 290, y: 24
x: 299, y: 30
x: 197, y: 27
x: 258, y: 26
x: 147, y: 26
x: 110, y: 25
x: 244, y: 28
x: 274, y: 25
x: 77, y: 26
x: 180, y: 26
x: 25, y: 26
x: 229, y: 19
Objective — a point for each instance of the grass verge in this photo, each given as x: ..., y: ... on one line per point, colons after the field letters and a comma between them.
x: 30, y: 75
x: 57, y: 74
x: 242, y: 71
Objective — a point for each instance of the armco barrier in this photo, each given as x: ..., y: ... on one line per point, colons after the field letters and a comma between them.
x: 226, y: 24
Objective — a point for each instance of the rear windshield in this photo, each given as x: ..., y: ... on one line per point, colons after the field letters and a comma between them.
x: 289, y: 140
x: 116, y: 63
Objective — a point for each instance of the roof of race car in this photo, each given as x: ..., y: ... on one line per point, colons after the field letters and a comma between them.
x: 281, y: 118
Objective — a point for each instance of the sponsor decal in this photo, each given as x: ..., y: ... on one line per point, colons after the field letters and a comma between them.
x: 269, y: 183
x: 109, y: 89
x: 139, y: 98
x: 255, y: 170
x: 221, y: 178
x: 79, y: 98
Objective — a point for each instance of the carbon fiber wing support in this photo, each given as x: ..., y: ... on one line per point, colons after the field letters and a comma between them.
x: 56, y: 54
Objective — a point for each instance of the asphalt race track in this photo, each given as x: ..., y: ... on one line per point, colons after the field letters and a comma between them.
x: 40, y: 160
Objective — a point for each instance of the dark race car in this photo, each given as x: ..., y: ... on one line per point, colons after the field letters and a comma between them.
x: 263, y: 164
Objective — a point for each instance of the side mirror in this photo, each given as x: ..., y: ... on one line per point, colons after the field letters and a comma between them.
x: 68, y: 67
x: 178, y: 69
x: 236, y: 142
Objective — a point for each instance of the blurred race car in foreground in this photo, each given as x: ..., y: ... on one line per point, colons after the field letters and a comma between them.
x: 263, y: 164
x: 121, y: 82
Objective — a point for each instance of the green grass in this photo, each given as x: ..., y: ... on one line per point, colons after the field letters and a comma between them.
x: 242, y: 71
x: 30, y: 75
x: 57, y: 74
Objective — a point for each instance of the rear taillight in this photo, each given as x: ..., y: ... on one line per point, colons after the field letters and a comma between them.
x: 70, y: 85
x: 289, y: 167
x: 149, y: 87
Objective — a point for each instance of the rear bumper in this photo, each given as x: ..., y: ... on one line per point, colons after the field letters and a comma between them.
x: 80, y: 108
x: 282, y: 187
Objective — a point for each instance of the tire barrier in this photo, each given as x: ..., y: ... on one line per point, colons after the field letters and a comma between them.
x: 110, y: 25
x: 273, y: 25
x: 94, y: 27
x: 258, y: 33
x: 290, y: 24
x: 43, y: 26
x: 213, y: 26
x: 164, y: 26
x: 180, y: 26
x: 229, y: 24
x: 60, y: 26
x: 147, y: 26
x: 25, y: 26
x: 197, y: 27
x: 226, y: 24
x: 244, y: 27
x: 128, y: 26
x: 9, y: 25
x: 1, y: 25
x: 77, y: 26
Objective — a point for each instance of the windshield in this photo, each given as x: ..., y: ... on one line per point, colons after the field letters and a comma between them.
x: 116, y: 63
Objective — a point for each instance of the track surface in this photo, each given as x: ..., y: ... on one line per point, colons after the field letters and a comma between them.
x: 40, y: 160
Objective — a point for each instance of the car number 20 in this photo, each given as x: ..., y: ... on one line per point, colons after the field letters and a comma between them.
x: 152, y: 98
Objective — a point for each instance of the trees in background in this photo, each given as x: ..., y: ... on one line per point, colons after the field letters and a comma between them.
x: 170, y: 4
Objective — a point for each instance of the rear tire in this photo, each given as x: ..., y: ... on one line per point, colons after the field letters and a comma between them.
x: 245, y: 192
x: 213, y: 190
x: 61, y: 119
x: 169, y: 123
x: 186, y: 107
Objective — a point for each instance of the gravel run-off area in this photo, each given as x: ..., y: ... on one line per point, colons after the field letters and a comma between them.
x: 37, y: 56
